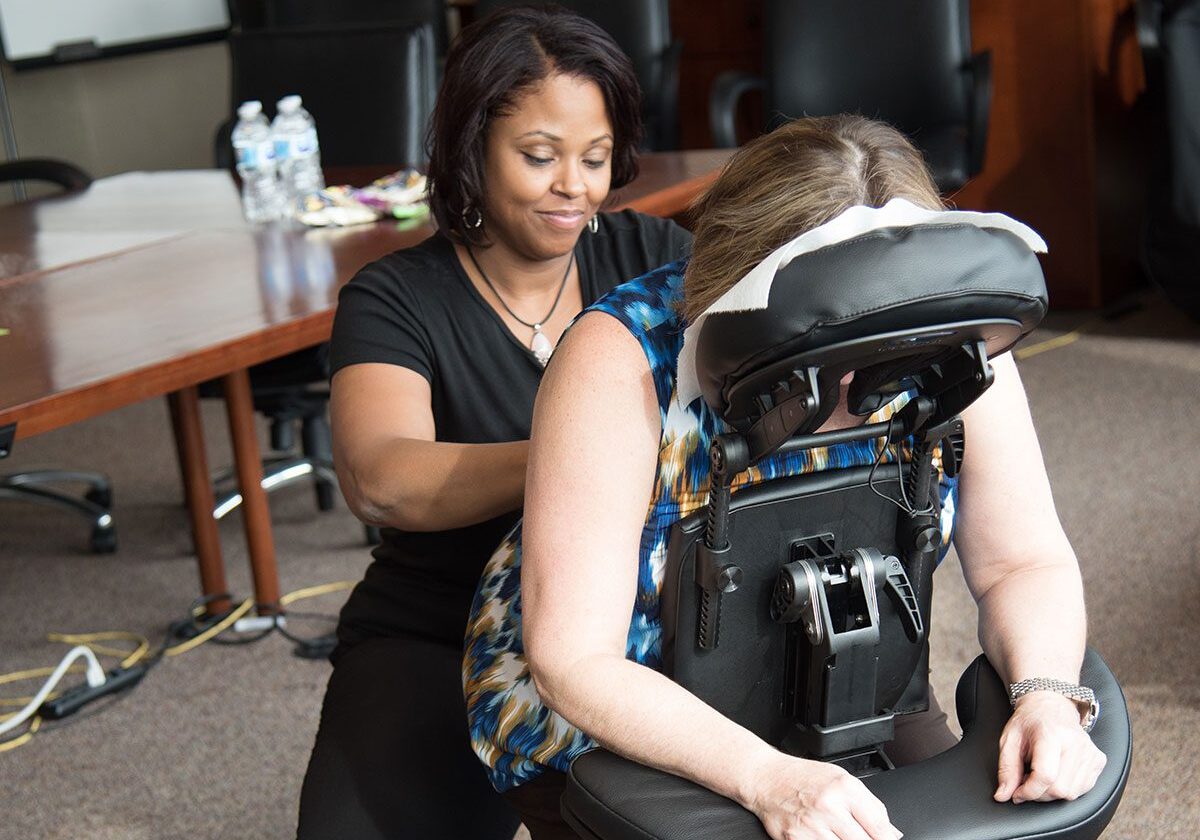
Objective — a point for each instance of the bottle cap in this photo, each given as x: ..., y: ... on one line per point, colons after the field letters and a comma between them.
x: 289, y: 104
x: 249, y: 110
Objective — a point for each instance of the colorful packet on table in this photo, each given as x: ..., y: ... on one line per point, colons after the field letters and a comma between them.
x: 401, y: 195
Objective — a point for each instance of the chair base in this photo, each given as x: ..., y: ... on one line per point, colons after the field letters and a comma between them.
x: 283, y: 472
x: 95, y: 505
x: 279, y: 473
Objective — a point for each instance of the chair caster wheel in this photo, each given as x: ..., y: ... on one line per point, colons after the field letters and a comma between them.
x: 103, y: 540
x: 374, y: 537
x: 100, y: 497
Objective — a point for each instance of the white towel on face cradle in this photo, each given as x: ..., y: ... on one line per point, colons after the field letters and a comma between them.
x: 754, y: 290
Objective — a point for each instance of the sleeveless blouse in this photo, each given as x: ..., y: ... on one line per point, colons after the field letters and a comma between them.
x: 512, y: 731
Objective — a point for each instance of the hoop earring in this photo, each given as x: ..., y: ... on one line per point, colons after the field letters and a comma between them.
x: 472, y: 218
x: 594, y: 224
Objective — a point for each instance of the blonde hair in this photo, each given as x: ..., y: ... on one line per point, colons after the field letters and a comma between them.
x: 797, y: 177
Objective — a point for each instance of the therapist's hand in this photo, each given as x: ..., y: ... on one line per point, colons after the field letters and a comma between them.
x: 1044, y: 752
x: 797, y: 799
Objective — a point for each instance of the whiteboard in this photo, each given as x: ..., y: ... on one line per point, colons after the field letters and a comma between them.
x: 66, y: 29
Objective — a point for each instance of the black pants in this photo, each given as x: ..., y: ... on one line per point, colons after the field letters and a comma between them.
x: 918, y: 737
x: 392, y: 757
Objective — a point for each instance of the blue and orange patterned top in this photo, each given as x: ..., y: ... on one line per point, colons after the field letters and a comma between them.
x: 517, y: 736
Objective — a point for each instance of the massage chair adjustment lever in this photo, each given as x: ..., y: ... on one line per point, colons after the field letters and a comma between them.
x: 795, y: 595
x: 896, y: 584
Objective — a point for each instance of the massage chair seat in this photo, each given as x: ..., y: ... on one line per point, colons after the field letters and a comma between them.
x: 800, y: 607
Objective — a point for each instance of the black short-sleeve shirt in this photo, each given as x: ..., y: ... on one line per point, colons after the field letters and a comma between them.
x: 418, y: 309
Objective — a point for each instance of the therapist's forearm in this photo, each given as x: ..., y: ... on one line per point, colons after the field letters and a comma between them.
x: 419, y: 485
x: 638, y: 713
x: 1032, y: 623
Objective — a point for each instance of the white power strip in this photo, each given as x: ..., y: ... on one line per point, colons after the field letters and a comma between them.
x: 258, y: 623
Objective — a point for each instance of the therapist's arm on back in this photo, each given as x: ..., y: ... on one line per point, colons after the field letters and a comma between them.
x: 592, y: 465
x: 394, y: 473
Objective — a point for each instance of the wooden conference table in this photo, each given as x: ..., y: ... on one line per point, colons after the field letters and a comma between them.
x: 150, y: 283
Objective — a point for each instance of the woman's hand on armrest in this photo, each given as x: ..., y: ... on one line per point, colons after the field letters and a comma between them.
x: 1044, y: 735
x: 394, y: 473
x: 592, y: 468
x: 796, y: 798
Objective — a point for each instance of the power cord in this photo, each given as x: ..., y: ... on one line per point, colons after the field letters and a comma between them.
x: 94, y: 677
x: 194, y: 630
x: 313, y: 647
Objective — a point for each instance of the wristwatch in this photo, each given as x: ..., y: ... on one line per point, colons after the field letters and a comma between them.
x: 1084, y: 697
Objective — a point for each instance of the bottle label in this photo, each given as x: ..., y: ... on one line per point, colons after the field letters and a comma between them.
x: 254, y: 155
x: 247, y: 155
x: 305, y: 145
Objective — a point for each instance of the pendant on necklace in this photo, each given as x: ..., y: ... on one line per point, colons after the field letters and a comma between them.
x: 541, y: 346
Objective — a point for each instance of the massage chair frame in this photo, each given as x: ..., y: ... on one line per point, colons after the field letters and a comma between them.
x: 854, y: 617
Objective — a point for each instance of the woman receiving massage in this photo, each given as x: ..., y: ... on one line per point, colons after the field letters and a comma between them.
x: 554, y: 663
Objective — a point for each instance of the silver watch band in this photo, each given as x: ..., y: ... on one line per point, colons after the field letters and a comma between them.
x: 1084, y: 697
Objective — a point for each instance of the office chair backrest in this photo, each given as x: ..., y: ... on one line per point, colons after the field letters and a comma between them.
x: 907, y: 62
x: 284, y: 14
x: 642, y: 28
x: 370, y: 89
x: 897, y: 60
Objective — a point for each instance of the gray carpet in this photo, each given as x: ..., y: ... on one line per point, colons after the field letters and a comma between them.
x: 213, y: 744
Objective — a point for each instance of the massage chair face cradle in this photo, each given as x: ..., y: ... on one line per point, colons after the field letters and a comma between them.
x: 800, y: 607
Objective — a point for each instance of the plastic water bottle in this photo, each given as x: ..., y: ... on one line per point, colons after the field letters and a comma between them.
x: 297, y: 152
x: 255, y: 151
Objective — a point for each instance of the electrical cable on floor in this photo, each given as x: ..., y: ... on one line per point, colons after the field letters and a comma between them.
x: 94, y: 677
x: 196, y: 630
x: 316, y: 647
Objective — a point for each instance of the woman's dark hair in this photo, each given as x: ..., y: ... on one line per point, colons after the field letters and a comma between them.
x: 497, y: 59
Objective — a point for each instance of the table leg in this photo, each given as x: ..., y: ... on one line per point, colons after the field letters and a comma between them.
x: 181, y: 451
x: 256, y: 515
x: 189, y: 439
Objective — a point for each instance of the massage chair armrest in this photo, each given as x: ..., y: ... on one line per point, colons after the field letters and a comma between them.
x: 947, y: 797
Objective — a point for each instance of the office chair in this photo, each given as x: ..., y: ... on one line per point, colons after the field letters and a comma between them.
x: 642, y: 28
x: 96, y: 503
x: 288, y: 14
x: 1169, y: 34
x: 371, y: 91
x: 800, y: 607
x: 907, y: 62
x: 370, y: 88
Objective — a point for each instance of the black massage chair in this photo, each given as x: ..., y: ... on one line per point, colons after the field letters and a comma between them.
x: 800, y: 607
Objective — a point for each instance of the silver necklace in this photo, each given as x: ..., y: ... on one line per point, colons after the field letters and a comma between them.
x: 539, y: 344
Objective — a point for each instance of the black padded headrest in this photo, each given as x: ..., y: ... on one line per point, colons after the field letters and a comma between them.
x: 886, y: 305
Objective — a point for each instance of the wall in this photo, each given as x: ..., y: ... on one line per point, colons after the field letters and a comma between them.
x: 154, y: 110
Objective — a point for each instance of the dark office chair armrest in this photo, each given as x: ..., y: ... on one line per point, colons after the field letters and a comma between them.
x: 948, y: 797
x: 667, y: 110
x: 727, y: 89
x: 67, y: 175
x: 980, y: 68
